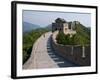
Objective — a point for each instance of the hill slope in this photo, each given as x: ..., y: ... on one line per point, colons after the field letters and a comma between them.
x: 29, y: 26
x: 49, y: 27
x: 82, y: 36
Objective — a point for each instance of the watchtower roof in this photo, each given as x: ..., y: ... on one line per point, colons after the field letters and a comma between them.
x: 60, y: 20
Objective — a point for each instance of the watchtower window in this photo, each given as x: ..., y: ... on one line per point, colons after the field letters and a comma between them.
x: 55, y: 28
x: 65, y: 29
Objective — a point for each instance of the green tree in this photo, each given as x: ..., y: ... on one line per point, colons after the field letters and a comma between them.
x: 28, y: 41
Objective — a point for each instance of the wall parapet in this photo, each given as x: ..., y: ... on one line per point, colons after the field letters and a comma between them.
x: 76, y: 53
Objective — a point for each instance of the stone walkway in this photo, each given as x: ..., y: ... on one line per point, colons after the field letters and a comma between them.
x: 42, y: 55
x: 39, y: 57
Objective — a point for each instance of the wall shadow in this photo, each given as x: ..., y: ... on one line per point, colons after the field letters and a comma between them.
x: 59, y: 60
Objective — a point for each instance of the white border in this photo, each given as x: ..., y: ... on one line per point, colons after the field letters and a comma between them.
x: 21, y: 72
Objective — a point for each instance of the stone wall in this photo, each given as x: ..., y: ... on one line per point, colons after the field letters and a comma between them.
x: 72, y: 53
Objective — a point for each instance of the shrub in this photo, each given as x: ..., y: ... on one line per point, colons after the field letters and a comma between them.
x: 76, y: 39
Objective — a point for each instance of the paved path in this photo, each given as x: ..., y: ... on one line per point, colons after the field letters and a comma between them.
x: 42, y: 55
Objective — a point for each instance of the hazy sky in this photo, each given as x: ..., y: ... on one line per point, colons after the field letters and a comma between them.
x: 43, y: 18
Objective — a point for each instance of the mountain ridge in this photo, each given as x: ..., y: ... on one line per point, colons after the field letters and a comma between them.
x: 29, y: 26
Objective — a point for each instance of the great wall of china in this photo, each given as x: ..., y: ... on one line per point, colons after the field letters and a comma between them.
x: 73, y: 53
